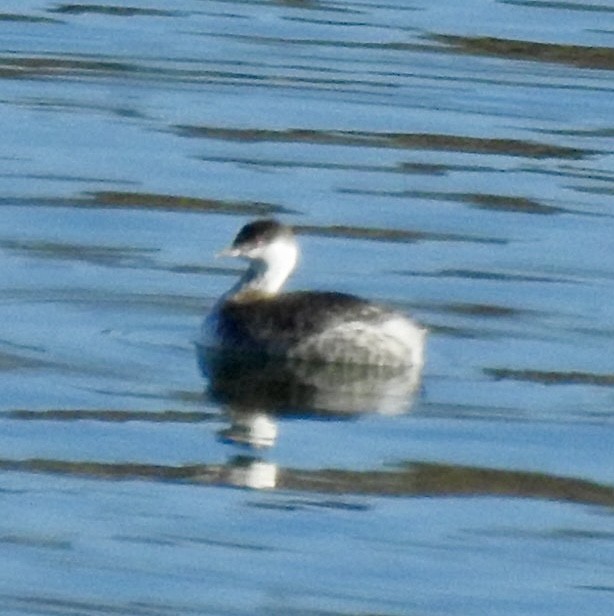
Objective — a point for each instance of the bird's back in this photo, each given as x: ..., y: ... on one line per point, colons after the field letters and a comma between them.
x: 319, y: 326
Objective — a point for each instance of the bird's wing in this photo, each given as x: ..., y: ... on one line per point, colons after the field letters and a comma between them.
x: 285, y: 319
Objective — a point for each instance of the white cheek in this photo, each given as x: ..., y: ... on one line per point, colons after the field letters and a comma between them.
x: 258, y: 252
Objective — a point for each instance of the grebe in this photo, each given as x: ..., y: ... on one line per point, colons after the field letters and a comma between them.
x: 253, y: 317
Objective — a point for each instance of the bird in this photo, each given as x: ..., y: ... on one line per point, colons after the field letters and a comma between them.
x: 256, y: 319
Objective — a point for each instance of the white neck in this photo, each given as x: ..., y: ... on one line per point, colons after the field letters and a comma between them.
x: 268, y: 273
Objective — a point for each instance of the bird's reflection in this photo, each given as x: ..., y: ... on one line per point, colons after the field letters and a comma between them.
x: 249, y: 472
x: 254, y: 390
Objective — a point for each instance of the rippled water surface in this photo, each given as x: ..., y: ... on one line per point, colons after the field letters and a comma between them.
x: 455, y: 160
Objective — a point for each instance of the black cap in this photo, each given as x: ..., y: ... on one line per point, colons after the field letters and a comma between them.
x: 261, y: 231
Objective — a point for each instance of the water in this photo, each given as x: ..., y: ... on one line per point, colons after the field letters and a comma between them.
x: 453, y: 161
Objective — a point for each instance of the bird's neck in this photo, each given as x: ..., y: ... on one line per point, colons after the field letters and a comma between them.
x: 263, y: 278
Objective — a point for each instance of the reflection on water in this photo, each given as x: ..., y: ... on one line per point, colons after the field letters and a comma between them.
x: 253, y: 390
x: 112, y: 199
x: 579, y: 55
x: 250, y: 427
x: 406, y: 479
x: 308, y: 387
x: 409, y: 141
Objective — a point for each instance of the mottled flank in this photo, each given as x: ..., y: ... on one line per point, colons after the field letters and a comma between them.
x: 313, y: 326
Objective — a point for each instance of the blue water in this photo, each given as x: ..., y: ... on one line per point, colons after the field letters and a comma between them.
x: 455, y: 162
